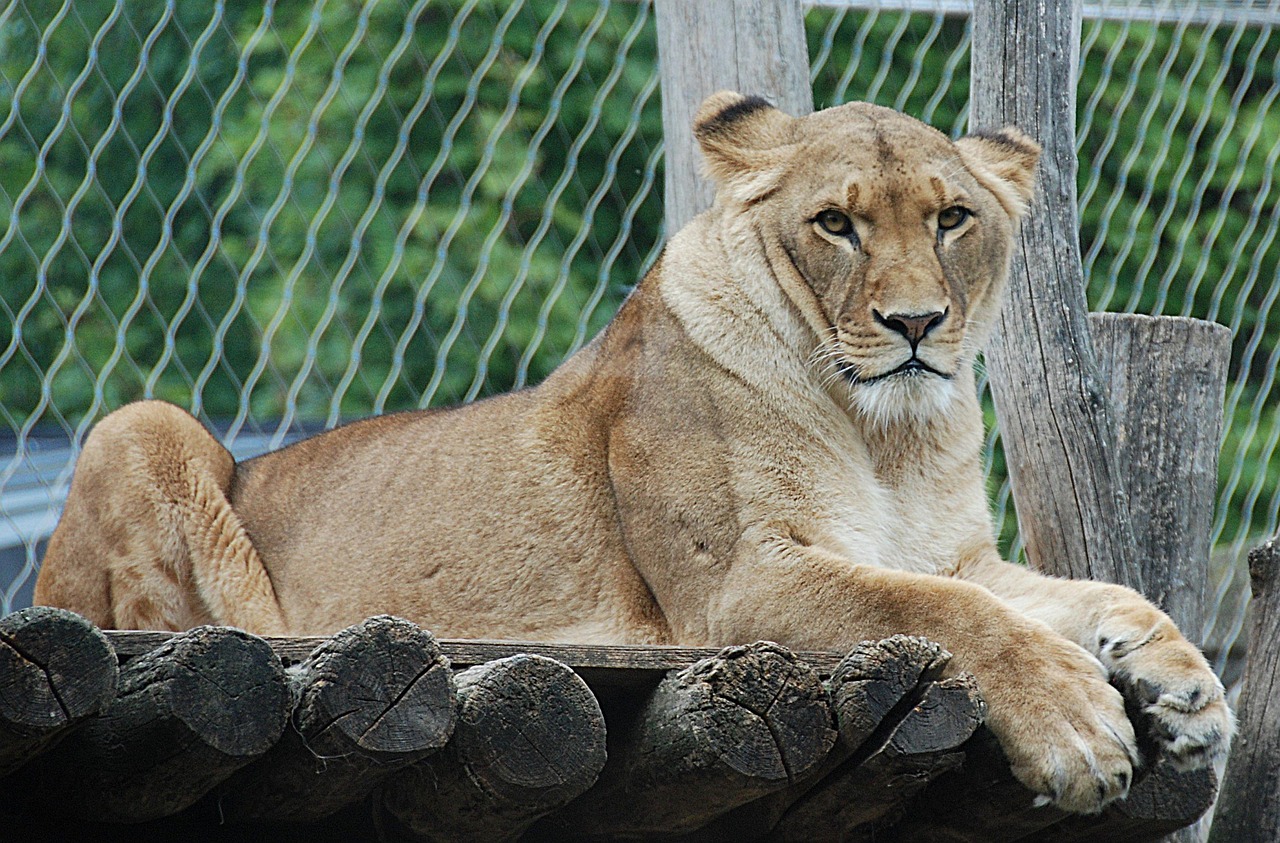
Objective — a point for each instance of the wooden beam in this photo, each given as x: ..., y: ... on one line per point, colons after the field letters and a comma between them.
x: 56, y: 670
x: 750, y: 46
x: 372, y: 699
x: 1249, y: 808
x: 530, y: 737
x: 185, y: 716
x: 1058, y: 433
x: 711, y: 737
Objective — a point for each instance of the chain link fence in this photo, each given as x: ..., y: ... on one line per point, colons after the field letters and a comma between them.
x: 286, y: 215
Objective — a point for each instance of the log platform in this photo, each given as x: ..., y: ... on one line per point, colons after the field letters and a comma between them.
x: 382, y: 732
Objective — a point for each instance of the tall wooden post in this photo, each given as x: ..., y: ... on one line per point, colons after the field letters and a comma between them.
x: 750, y: 46
x: 1166, y: 377
x: 1058, y: 434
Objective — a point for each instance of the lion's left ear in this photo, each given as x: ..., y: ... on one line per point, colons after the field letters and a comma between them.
x: 1004, y: 161
x: 746, y: 143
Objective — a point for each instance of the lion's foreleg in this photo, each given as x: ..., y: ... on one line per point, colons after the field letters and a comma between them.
x: 1138, y: 644
x: 1062, y: 725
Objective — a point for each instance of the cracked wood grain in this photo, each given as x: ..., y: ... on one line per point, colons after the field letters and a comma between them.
x: 376, y: 697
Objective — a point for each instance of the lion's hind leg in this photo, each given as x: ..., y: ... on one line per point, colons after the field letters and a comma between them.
x: 148, y: 538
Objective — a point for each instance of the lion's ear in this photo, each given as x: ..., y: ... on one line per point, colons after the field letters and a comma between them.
x: 1005, y: 162
x: 745, y: 141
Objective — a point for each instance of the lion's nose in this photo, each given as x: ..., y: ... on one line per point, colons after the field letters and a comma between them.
x: 913, y: 326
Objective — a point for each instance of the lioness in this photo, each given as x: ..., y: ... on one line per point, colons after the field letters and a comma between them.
x: 777, y: 437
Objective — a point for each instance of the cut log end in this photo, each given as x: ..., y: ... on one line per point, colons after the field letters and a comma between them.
x: 372, y: 699
x: 710, y: 738
x: 530, y: 737
x: 185, y: 717
x: 56, y: 670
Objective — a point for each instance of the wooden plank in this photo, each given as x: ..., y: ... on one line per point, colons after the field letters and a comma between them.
x: 530, y: 737
x: 56, y: 670
x: 372, y: 699
x: 185, y: 717
x: 1058, y: 433
x: 750, y: 46
x: 712, y: 737
x: 1249, y: 809
x: 611, y: 666
x: 1167, y: 376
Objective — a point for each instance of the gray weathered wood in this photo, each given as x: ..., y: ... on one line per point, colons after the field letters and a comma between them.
x: 609, y: 666
x: 1166, y: 377
x: 872, y: 690
x: 1058, y: 435
x: 185, y: 717
x: 711, y: 737
x: 750, y: 46
x: 869, y: 793
x: 1249, y: 808
x: 56, y: 670
x: 530, y: 737
x: 372, y: 699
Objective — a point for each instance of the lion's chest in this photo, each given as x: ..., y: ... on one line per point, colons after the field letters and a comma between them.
x: 837, y: 497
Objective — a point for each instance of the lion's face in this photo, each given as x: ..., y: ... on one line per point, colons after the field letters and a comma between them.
x: 900, y: 237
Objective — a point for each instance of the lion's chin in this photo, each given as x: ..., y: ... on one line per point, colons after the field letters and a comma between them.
x: 910, y: 396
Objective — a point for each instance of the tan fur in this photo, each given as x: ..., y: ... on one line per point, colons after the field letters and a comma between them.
x: 736, y: 457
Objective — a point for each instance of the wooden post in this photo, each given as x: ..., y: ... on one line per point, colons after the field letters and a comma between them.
x: 56, y: 670
x: 1167, y: 376
x: 1058, y: 434
x: 750, y: 46
x: 1249, y: 808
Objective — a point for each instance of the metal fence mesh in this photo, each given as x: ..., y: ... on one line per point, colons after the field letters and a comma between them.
x: 286, y: 215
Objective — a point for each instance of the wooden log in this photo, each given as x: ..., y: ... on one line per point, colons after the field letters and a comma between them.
x: 376, y: 697
x: 530, y: 737
x: 56, y: 670
x: 185, y: 717
x: 751, y: 46
x: 868, y: 794
x: 872, y: 690
x: 1058, y: 434
x: 714, y: 736
x: 1249, y: 808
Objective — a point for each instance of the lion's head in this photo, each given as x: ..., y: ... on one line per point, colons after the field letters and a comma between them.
x: 893, y: 240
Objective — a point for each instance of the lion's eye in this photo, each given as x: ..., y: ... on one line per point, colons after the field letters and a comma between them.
x: 952, y: 218
x: 835, y: 222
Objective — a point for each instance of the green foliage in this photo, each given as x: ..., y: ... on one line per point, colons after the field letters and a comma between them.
x: 331, y: 209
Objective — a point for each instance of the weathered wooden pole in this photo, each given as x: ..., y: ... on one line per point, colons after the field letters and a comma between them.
x: 750, y: 46
x: 1058, y: 433
x: 1249, y: 808
x: 1166, y: 377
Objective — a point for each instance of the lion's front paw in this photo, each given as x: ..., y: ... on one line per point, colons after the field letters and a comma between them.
x: 1063, y: 726
x: 1168, y: 678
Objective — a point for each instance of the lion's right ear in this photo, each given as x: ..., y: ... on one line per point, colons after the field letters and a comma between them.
x: 1005, y: 162
x: 745, y: 142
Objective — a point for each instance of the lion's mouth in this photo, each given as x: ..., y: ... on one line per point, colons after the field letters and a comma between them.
x: 913, y: 368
